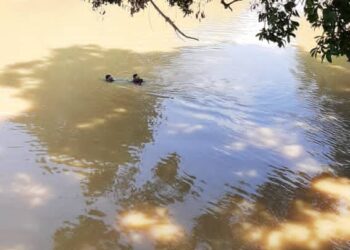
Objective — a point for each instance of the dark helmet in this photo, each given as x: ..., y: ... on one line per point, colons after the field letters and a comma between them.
x: 108, y: 77
x: 134, y: 75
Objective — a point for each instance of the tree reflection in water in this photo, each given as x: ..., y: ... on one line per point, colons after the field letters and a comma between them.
x: 83, y: 122
x: 142, y: 213
x: 328, y: 89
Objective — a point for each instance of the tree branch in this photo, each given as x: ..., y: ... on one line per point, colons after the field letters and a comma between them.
x: 167, y: 19
x: 228, y: 5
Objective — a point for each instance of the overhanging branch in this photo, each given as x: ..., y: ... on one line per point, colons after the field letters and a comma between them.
x: 228, y: 5
x: 167, y: 19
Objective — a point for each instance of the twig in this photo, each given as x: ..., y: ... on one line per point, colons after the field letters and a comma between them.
x: 228, y: 5
x: 167, y: 19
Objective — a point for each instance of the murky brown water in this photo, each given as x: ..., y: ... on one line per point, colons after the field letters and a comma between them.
x: 230, y: 144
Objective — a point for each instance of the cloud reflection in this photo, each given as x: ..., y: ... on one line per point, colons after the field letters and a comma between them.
x: 184, y: 128
x: 15, y: 247
x: 277, y: 140
x: 248, y: 173
x: 157, y: 225
x: 34, y: 193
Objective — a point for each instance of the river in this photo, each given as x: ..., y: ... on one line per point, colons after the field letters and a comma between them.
x: 231, y: 143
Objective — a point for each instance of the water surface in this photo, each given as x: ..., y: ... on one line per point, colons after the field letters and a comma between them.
x: 230, y: 144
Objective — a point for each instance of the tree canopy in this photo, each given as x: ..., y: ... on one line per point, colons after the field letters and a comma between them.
x: 280, y: 19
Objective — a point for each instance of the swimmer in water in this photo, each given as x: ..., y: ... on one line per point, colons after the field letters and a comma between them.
x: 136, y: 79
x: 109, y: 78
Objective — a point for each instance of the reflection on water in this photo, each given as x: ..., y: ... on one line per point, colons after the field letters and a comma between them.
x: 157, y: 225
x: 309, y: 226
x: 227, y: 146
x: 82, y: 121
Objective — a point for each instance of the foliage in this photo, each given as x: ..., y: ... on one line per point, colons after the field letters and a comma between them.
x: 334, y: 18
x: 279, y: 18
